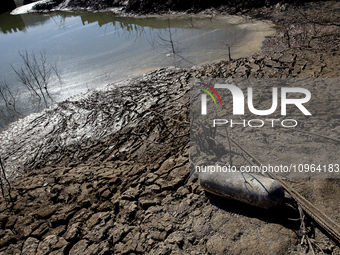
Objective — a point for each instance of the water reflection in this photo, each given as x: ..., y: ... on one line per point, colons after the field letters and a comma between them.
x: 15, y: 23
x: 12, y: 24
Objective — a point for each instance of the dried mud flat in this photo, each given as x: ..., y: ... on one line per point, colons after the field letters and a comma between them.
x: 112, y: 176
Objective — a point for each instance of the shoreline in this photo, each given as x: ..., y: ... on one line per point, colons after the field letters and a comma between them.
x: 255, y: 31
x: 122, y: 8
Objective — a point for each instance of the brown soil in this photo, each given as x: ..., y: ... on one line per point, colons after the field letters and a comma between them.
x: 126, y: 190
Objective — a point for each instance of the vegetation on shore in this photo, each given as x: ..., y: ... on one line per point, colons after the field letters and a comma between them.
x: 161, y: 6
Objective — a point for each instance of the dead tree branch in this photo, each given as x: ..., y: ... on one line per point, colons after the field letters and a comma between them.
x: 169, y: 42
x: 36, y: 74
x: 9, y: 110
x: 4, y: 176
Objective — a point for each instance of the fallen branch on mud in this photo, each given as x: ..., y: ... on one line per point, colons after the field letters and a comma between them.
x: 2, y: 186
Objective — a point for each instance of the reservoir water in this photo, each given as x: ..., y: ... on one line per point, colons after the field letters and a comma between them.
x: 94, y: 49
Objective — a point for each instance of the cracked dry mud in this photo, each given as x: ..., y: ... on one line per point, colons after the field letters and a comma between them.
x: 102, y: 175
